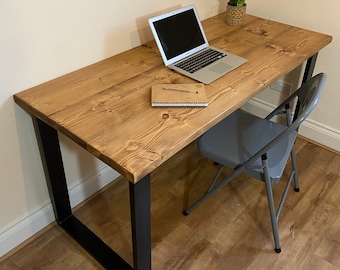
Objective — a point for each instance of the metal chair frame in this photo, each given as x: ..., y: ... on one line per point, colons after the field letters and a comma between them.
x: 307, y: 97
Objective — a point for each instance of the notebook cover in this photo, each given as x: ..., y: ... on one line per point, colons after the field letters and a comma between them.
x: 178, y: 95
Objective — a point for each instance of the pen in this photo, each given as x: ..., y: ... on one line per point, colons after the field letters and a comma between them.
x: 180, y: 90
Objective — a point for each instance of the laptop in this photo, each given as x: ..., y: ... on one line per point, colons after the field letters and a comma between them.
x: 184, y: 47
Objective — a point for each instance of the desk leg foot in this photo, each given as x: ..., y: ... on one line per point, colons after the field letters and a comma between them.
x: 141, y: 223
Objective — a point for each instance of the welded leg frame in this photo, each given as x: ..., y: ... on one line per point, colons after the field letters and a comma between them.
x: 139, y: 204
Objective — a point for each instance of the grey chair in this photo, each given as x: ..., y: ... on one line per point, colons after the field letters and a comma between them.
x: 260, y: 147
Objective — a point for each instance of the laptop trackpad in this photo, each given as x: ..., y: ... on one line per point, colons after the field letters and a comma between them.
x: 221, y: 68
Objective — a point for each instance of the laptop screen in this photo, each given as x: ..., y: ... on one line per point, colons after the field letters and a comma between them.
x: 178, y: 34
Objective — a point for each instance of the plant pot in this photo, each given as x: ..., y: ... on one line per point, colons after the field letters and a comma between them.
x: 235, y: 15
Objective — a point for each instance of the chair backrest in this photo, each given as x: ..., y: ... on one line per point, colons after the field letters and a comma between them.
x: 307, y: 96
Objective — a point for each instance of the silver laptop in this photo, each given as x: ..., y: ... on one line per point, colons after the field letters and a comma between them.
x: 184, y: 47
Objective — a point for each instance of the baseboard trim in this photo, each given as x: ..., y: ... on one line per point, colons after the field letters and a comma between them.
x: 310, y: 129
x: 25, y: 227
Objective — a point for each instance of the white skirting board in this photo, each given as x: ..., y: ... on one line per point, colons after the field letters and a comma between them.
x: 310, y: 129
x: 23, y: 228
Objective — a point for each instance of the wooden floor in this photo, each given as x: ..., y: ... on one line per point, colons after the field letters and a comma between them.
x: 229, y: 231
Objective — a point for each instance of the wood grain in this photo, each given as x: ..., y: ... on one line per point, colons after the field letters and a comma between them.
x: 106, y: 108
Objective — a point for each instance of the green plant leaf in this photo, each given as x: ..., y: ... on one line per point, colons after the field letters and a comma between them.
x: 238, y: 3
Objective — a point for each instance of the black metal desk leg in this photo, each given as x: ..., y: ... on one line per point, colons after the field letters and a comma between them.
x: 54, y: 170
x: 309, y: 69
x: 308, y: 73
x: 141, y: 223
x: 55, y: 175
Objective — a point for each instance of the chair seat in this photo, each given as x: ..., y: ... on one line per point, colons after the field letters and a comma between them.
x: 241, y: 135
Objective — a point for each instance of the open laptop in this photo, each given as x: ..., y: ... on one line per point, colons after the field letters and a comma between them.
x: 184, y: 47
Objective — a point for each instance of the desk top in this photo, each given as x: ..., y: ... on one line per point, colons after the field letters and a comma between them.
x: 106, y: 108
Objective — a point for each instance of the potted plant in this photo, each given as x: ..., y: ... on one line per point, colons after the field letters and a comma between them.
x: 236, y: 10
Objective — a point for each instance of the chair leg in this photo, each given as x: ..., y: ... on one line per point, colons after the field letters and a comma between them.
x: 213, y: 188
x: 205, y: 195
x: 272, y: 211
x: 294, y: 166
x: 292, y: 153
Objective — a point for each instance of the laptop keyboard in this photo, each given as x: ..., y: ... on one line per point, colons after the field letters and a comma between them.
x: 200, y: 60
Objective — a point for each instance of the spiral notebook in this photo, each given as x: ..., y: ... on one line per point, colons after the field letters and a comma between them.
x: 178, y: 95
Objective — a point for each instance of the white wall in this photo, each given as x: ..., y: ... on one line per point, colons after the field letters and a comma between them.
x: 323, y: 125
x: 44, y: 39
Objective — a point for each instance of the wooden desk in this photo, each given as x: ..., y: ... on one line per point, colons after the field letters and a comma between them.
x: 106, y: 109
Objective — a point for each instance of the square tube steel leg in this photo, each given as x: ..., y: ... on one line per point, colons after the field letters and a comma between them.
x: 56, y: 180
x: 141, y: 223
